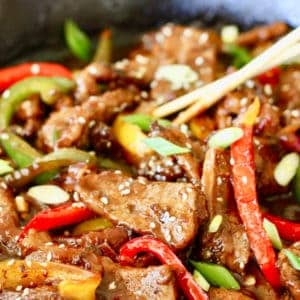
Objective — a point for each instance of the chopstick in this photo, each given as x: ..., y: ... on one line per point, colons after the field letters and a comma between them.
x: 204, y: 97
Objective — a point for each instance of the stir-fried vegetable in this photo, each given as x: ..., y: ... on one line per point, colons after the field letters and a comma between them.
x: 164, y: 147
x: 54, y: 218
x: 296, y: 186
x: 293, y: 259
x: 145, y: 121
x: 201, y: 281
x: 225, y: 137
x: 92, y: 225
x: 5, y: 167
x: 104, y: 48
x: 240, y: 55
x: 10, y: 75
x: 272, y: 234
x: 48, y: 194
x: 216, y: 275
x: 161, y: 251
x: 244, y: 185
x: 45, y: 86
x: 288, y: 230
x: 270, y: 77
x: 286, y: 169
x: 215, y: 223
x: 78, y: 42
x: 72, y: 282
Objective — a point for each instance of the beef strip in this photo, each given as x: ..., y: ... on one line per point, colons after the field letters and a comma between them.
x: 221, y: 294
x: 177, y: 167
x: 124, y: 283
x: 38, y: 293
x: 290, y: 277
x: 71, y: 125
x: 9, y: 230
x: 229, y: 245
x: 262, y: 33
x: 169, y: 211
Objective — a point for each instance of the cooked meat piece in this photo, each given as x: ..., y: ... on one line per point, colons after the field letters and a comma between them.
x: 177, y: 167
x: 70, y: 126
x: 216, y: 181
x: 38, y: 293
x: 289, y: 94
x: 262, y: 33
x: 86, y: 259
x: 221, y: 294
x: 124, y: 283
x: 9, y: 230
x: 266, y: 183
x: 169, y: 211
x: 107, y: 241
x: 87, y: 80
x: 228, y: 246
x: 290, y: 277
x: 173, y: 44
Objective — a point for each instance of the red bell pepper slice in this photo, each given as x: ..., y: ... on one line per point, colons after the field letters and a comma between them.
x: 63, y: 215
x: 270, y: 77
x: 160, y: 250
x: 288, y: 230
x: 243, y: 169
x: 10, y: 75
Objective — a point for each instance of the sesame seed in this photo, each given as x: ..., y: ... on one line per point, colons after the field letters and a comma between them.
x: 28, y: 263
x: 76, y: 196
x: 19, y: 288
x: 26, y: 292
x: 167, y: 30
x: 231, y: 161
x: 268, y: 89
x: 4, y: 136
x: 121, y: 187
x: 104, y: 200
x: 244, y: 179
x: 10, y: 262
x: 220, y: 199
x: 184, y: 196
x: 244, y: 101
x: 199, y: 61
x: 141, y: 59
x: 49, y: 256
x: 250, y: 84
x: 125, y: 192
x: 219, y: 180
x: 249, y: 280
x: 61, y: 246
x: 118, y: 172
x: 159, y: 37
x: 81, y: 120
x: 203, y: 38
x: 6, y: 94
x: 35, y: 69
x: 112, y: 285
x: 152, y: 225
x: 49, y: 244
x: 144, y: 94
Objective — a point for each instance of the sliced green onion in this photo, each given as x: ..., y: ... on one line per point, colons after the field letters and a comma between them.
x: 229, y: 34
x: 48, y: 194
x: 240, y: 55
x: 215, y: 223
x: 78, y: 41
x: 92, y: 225
x: 164, y: 147
x: 5, y: 167
x: 104, y: 47
x: 272, y: 234
x: 293, y: 259
x: 286, y: 169
x: 203, y: 283
x: 225, y: 137
x: 216, y: 275
x: 296, y: 186
x: 145, y: 121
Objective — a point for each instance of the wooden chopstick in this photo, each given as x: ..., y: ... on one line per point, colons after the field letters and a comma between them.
x: 206, y: 96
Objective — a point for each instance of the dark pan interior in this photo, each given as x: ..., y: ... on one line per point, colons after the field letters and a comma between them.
x: 26, y: 24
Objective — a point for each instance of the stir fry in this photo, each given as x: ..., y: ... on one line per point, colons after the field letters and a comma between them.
x: 110, y: 189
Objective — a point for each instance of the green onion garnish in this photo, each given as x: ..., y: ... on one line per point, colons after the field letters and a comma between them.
x: 5, y: 167
x: 296, y: 187
x: 78, y: 42
x: 216, y: 275
x: 240, y: 55
x: 225, y: 137
x: 293, y: 259
x: 273, y: 234
x: 286, y: 169
x: 203, y: 283
x: 145, y: 121
x: 164, y: 147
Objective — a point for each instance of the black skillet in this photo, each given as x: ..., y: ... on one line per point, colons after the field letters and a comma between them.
x: 28, y: 24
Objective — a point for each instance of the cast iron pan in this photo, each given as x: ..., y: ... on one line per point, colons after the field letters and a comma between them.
x: 27, y: 24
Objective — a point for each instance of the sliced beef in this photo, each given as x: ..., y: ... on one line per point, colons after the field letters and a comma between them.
x: 169, y: 211
x: 38, y: 293
x: 9, y: 230
x: 125, y: 283
x: 221, y: 294
x: 177, y: 167
x: 228, y: 246
x: 290, y: 277
x: 262, y: 34
x: 71, y: 125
